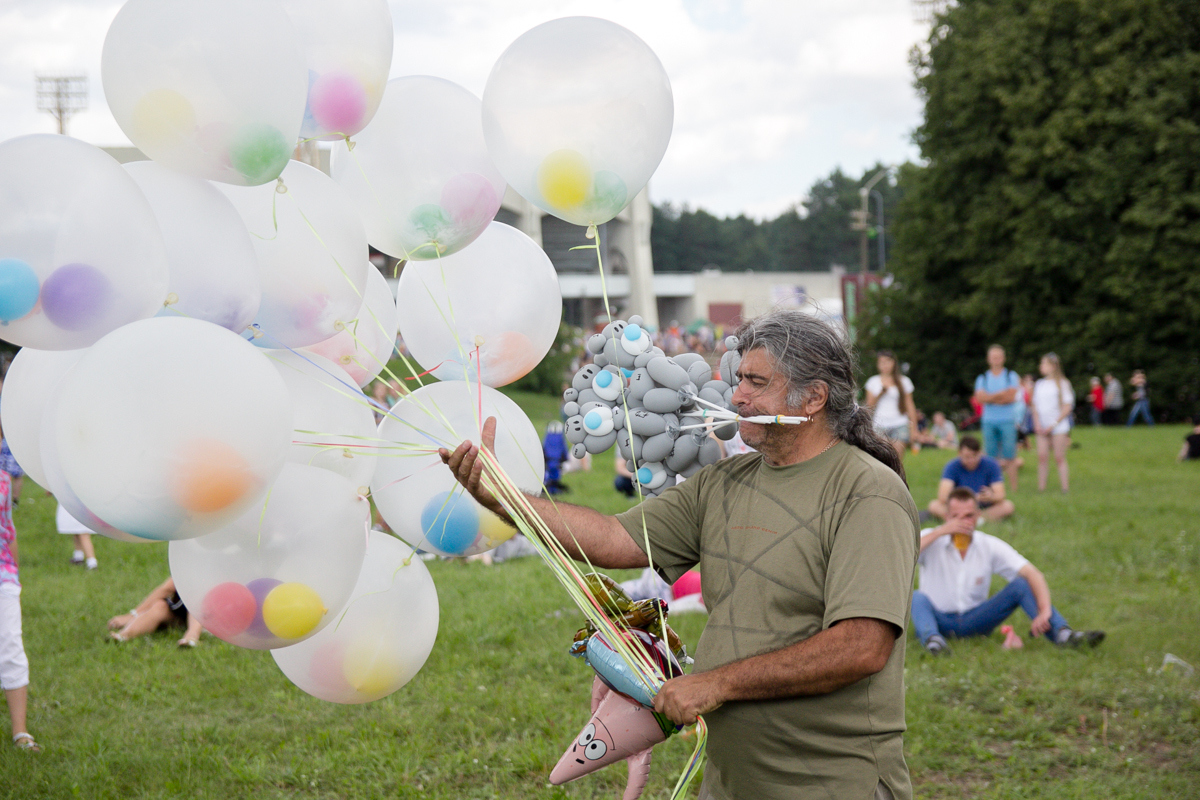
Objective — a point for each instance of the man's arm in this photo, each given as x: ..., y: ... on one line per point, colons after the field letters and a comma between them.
x: 945, y: 487
x: 838, y: 656
x: 1041, y: 592
x: 996, y: 493
x: 580, y: 530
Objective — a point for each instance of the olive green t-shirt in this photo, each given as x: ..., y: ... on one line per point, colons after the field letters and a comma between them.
x: 786, y: 552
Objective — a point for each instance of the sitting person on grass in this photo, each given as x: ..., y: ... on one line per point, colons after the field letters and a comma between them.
x: 1191, y: 443
x: 162, y: 607
x: 956, y: 564
x: 979, y: 473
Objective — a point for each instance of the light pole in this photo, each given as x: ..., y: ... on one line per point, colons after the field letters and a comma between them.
x: 878, y: 195
x: 62, y: 96
x: 860, y: 217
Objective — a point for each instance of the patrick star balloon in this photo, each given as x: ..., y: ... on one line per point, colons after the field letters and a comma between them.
x: 620, y: 729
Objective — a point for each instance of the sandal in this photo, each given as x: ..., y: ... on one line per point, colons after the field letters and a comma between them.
x: 23, y: 741
x: 187, y: 642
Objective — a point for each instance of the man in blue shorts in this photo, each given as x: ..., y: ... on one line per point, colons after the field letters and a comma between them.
x: 997, y: 390
x: 978, y: 473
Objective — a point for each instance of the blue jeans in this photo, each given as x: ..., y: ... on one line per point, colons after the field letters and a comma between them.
x: 1140, y: 408
x: 1000, y: 439
x: 983, y: 618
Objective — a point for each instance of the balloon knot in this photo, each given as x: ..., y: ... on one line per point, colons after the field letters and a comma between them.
x: 346, y: 453
x: 478, y: 340
x: 171, y: 300
x: 350, y: 144
x: 591, y: 231
x: 280, y: 186
x: 338, y: 325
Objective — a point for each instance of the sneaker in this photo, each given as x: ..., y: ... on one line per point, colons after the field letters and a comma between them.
x: 1082, y: 639
x: 92, y: 563
x: 936, y: 646
x: 77, y: 558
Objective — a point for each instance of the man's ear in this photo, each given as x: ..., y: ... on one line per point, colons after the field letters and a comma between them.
x: 815, y: 398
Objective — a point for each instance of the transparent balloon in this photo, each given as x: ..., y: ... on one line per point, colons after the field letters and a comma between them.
x: 56, y: 483
x: 348, y: 54
x: 333, y: 426
x: 364, y: 345
x: 577, y: 113
x: 383, y: 638
x: 312, y: 256
x: 33, y: 382
x: 284, y: 569
x: 420, y: 175
x: 80, y: 250
x: 215, y: 90
x: 490, y: 312
x: 419, y: 497
x: 212, y: 264
x: 172, y: 427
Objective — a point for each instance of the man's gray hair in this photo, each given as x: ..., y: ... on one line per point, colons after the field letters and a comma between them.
x: 808, y: 351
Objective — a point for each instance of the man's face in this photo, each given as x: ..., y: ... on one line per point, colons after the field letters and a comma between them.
x: 761, y: 389
x: 939, y: 418
x: 995, y: 357
x: 969, y: 458
x: 964, y: 510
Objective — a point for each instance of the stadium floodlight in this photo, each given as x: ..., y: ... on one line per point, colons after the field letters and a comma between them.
x: 62, y: 96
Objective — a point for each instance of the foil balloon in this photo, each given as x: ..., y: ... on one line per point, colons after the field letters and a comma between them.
x: 284, y: 569
x: 210, y: 256
x: 312, y: 256
x: 419, y: 497
x: 420, y: 175
x: 363, y: 346
x: 215, y: 90
x: 172, y: 427
x: 383, y: 637
x: 348, y: 55
x: 577, y: 113
x: 490, y: 312
x: 80, y: 251
x: 619, y: 729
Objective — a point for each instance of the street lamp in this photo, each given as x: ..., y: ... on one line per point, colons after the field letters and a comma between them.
x: 860, y: 217
x: 62, y: 96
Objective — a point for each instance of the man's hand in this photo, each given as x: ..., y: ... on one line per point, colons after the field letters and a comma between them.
x: 1041, y: 623
x: 682, y: 699
x: 467, y: 467
x: 986, y: 494
x: 957, y: 525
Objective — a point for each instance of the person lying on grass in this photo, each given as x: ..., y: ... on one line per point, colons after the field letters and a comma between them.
x: 956, y: 565
x: 162, y: 607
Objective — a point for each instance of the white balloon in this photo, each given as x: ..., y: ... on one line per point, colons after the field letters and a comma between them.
x: 308, y: 536
x: 172, y: 427
x: 333, y: 424
x: 383, y: 638
x: 499, y: 295
x: 419, y: 497
x: 577, y: 113
x: 212, y: 263
x: 80, y: 250
x: 312, y: 256
x: 33, y: 382
x: 349, y: 53
x: 214, y: 89
x: 420, y: 175
x: 365, y: 344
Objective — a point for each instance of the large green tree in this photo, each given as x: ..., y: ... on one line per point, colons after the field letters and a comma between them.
x: 1060, y: 206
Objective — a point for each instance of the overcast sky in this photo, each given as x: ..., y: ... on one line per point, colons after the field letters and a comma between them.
x: 769, y: 94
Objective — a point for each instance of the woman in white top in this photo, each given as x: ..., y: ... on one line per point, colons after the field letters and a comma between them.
x: 1053, y: 404
x: 890, y: 396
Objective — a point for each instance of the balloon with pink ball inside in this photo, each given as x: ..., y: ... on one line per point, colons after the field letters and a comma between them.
x: 76, y: 297
x: 337, y: 102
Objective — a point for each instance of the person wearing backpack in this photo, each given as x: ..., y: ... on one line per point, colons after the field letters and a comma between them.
x: 997, y: 390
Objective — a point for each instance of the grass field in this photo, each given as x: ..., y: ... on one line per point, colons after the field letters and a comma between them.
x: 499, y: 699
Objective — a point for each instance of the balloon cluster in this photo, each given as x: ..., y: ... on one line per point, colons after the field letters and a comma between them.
x: 657, y: 409
x: 197, y: 327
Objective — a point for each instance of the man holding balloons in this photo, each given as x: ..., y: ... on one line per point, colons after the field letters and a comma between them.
x: 808, y: 549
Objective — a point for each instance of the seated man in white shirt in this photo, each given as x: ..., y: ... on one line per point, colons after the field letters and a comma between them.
x: 956, y: 565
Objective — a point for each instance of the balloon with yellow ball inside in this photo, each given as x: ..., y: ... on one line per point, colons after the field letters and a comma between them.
x: 577, y: 113
x: 383, y: 637
x: 281, y: 571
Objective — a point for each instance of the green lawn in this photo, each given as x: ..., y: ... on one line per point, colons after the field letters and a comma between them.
x: 499, y: 699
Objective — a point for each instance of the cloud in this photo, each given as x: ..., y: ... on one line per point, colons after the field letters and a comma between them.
x: 769, y: 96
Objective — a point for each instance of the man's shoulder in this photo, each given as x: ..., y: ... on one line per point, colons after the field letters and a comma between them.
x: 870, y: 476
